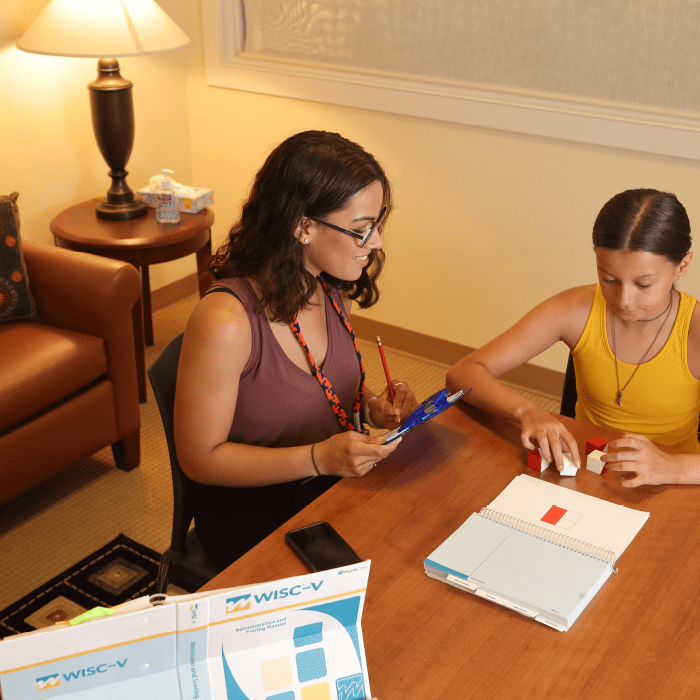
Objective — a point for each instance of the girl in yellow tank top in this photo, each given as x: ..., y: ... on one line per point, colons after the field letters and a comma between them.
x: 635, y: 341
x: 662, y: 401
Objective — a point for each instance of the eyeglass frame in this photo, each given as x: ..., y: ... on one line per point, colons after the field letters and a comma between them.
x: 364, y: 237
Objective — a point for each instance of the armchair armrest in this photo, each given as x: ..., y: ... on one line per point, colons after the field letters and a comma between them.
x: 95, y: 295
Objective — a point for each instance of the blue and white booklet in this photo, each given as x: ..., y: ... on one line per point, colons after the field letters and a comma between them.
x: 539, y: 549
x: 295, y: 638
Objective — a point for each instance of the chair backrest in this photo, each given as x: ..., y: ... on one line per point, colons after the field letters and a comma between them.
x: 569, y: 395
x: 163, y: 376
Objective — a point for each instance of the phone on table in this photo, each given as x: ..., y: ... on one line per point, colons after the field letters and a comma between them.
x: 431, y: 407
x: 320, y: 547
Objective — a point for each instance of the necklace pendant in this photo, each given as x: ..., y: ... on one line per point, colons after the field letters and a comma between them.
x: 619, y: 399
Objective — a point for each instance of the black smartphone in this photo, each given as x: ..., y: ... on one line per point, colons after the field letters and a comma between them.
x: 320, y: 547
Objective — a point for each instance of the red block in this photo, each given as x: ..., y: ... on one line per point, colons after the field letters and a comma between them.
x: 535, y: 461
x: 595, y: 443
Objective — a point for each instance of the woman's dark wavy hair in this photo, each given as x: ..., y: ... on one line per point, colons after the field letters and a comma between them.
x: 648, y: 220
x: 310, y: 174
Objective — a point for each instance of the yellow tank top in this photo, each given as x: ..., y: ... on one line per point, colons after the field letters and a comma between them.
x: 662, y: 402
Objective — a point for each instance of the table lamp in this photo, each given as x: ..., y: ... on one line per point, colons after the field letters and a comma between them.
x: 107, y: 29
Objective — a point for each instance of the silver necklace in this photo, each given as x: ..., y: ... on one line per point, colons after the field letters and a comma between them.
x: 646, y: 320
x: 617, y: 375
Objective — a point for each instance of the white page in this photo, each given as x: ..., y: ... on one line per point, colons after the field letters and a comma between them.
x: 587, y: 518
x: 126, y: 656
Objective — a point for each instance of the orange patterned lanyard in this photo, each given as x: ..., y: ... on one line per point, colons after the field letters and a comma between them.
x: 332, y: 397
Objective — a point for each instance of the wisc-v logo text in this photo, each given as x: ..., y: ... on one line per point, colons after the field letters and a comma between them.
x: 243, y: 602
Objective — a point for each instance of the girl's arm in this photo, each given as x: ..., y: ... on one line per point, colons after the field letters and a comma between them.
x: 562, y: 317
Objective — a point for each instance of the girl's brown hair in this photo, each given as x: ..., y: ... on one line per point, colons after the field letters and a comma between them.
x: 647, y: 220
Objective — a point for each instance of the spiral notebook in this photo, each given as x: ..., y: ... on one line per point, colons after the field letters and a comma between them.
x: 539, y: 549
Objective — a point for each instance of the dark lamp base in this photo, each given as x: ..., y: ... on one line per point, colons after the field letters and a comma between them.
x: 121, y: 212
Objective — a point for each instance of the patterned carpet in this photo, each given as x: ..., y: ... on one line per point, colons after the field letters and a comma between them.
x: 120, y: 571
x: 70, y: 516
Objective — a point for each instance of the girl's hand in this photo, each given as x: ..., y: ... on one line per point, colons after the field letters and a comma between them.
x: 635, y: 453
x: 385, y: 414
x: 549, y: 433
x: 351, y: 453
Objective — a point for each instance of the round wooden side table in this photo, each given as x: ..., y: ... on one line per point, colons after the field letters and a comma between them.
x: 141, y: 242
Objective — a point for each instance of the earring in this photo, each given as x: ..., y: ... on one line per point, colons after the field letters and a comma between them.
x: 306, y: 240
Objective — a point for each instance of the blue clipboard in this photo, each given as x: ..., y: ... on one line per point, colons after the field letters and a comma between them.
x: 431, y: 407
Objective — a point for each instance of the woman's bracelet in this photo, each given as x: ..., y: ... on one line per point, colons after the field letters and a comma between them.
x: 313, y: 461
x: 365, y: 414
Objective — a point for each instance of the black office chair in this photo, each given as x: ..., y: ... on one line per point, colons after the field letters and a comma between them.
x: 569, y: 395
x: 185, y: 561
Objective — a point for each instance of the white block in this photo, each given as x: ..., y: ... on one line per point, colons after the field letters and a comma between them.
x: 569, y: 468
x: 594, y: 462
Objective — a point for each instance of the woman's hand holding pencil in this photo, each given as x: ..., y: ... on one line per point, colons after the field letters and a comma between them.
x: 394, y: 404
x: 386, y: 369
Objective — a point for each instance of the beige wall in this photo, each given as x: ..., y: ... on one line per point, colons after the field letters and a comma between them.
x: 486, y: 223
x: 48, y: 152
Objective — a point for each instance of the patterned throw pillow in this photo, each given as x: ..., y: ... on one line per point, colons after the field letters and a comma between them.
x: 16, y: 299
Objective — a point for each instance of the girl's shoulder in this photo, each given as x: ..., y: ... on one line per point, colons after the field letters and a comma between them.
x: 576, y: 301
x: 694, y: 330
x: 567, y: 312
x: 578, y: 296
x: 694, y: 340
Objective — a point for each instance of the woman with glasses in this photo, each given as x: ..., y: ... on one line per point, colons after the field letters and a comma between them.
x: 271, y: 403
x: 635, y: 343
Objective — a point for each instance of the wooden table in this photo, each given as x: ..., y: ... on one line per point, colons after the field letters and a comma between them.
x: 638, y: 638
x: 141, y: 242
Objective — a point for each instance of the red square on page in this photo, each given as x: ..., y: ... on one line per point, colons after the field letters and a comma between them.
x: 553, y: 515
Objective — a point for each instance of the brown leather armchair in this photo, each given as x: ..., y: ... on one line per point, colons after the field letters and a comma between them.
x: 68, y: 384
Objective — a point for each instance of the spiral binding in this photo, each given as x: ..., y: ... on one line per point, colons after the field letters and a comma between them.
x: 543, y: 533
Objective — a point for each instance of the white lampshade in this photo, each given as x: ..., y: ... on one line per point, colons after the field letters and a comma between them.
x: 96, y: 28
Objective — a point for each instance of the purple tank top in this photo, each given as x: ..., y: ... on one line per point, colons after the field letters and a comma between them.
x: 279, y: 404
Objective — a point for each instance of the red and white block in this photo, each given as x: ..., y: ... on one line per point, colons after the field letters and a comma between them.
x: 538, y: 463
x: 594, y: 462
x: 596, y: 443
x: 569, y: 468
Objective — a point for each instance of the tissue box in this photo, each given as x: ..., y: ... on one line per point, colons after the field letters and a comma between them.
x: 190, y: 200
x: 199, y: 198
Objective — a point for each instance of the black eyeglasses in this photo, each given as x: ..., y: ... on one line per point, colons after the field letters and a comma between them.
x: 364, y: 237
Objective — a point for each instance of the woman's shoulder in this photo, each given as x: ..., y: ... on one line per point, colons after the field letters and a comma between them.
x: 219, y: 318
x: 241, y: 287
